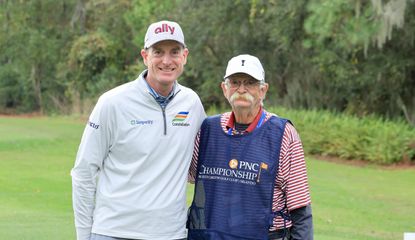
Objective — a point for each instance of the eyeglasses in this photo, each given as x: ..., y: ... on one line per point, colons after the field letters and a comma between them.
x: 249, y: 83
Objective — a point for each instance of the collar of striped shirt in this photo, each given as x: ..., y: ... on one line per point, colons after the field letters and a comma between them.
x: 231, y: 123
x: 162, y: 100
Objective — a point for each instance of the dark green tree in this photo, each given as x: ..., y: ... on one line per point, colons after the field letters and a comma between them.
x: 32, y: 43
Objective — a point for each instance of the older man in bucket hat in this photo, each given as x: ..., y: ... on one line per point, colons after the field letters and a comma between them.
x: 249, y: 168
x: 129, y: 178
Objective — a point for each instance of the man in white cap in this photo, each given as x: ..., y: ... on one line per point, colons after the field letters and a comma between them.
x: 129, y: 178
x: 248, y: 167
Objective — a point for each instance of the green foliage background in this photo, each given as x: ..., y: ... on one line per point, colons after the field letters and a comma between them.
x: 345, y: 56
x: 350, y: 56
x: 370, y: 139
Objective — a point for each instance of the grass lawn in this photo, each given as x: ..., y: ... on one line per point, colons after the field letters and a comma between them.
x: 36, y: 155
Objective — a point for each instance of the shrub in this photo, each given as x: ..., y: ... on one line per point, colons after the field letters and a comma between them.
x: 371, y: 138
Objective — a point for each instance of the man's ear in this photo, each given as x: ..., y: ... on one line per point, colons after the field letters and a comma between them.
x: 144, y: 55
x: 185, y: 53
x: 224, y: 89
x: 264, y: 90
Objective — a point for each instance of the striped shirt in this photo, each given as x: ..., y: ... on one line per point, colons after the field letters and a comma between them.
x: 160, y: 99
x: 291, y: 183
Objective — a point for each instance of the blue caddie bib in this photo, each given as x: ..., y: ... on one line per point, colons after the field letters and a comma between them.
x: 235, y: 182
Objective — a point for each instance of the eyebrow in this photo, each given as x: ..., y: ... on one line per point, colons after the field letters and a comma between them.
x: 178, y: 48
x: 156, y: 48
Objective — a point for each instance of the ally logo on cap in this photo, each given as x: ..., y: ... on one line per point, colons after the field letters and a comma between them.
x: 164, y: 28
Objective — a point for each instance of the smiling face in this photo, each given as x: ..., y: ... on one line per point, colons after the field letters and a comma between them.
x: 165, y: 62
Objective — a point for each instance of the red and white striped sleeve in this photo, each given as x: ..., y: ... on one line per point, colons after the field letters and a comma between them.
x: 193, y: 164
x: 292, y: 181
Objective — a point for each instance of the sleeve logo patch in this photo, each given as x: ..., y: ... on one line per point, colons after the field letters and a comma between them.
x: 93, y: 125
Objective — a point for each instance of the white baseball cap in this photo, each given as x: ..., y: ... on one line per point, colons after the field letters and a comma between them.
x: 248, y: 64
x: 163, y: 30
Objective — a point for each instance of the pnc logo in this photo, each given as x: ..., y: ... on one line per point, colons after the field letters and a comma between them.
x: 164, y: 28
x: 248, y: 166
x: 233, y: 163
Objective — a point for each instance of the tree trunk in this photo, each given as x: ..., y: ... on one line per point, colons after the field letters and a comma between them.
x: 408, y: 109
x: 79, y: 16
x: 36, y: 84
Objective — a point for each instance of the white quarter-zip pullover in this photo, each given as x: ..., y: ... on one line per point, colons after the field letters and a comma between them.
x: 129, y: 178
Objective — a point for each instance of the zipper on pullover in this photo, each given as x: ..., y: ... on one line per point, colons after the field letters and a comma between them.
x: 163, y: 109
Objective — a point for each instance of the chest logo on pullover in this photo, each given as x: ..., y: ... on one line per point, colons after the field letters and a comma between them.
x: 180, y: 119
x: 141, y: 122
